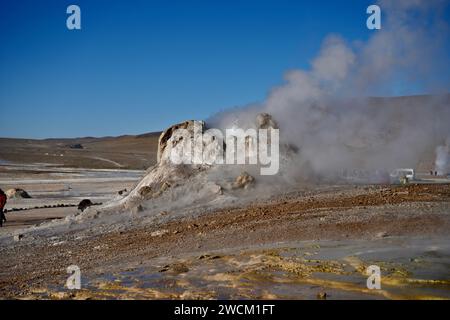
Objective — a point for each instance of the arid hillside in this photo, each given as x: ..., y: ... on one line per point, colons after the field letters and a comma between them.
x: 125, y: 152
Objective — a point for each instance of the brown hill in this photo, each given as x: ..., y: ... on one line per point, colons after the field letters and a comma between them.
x: 126, y: 152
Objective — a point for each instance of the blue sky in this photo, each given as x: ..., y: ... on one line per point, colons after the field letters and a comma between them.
x: 139, y: 66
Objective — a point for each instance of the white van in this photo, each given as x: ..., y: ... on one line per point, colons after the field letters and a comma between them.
x: 398, y: 174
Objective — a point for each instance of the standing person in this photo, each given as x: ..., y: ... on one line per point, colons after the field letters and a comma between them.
x: 2, y: 205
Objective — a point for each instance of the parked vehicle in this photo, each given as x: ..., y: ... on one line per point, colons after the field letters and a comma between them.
x: 402, y: 175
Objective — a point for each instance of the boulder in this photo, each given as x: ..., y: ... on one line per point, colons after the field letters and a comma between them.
x: 84, y: 204
x: 18, y: 237
x: 243, y: 181
x: 17, y: 193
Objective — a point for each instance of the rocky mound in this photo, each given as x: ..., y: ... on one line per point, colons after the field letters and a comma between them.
x: 199, y: 181
x: 166, y: 174
x: 175, y: 185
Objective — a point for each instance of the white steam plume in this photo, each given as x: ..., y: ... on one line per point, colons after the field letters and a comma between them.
x: 325, y: 111
x: 442, y: 157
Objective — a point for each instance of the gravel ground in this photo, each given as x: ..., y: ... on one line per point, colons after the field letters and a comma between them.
x: 32, y: 265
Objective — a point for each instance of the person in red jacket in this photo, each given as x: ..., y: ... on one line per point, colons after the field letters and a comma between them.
x: 2, y: 205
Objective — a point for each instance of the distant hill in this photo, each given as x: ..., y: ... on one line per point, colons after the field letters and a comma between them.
x: 125, y: 152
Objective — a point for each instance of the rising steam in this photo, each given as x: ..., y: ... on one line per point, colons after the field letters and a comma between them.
x: 442, y: 159
x: 326, y: 113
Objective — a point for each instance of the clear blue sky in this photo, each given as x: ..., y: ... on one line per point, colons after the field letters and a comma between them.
x: 139, y: 66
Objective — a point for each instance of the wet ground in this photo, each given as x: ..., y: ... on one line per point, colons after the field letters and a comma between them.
x: 410, y: 269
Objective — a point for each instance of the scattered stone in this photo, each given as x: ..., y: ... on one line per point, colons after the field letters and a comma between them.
x: 84, y: 204
x: 243, y: 181
x: 208, y: 257
x: 175, y: 268
x: 18, y: 237
x: 382, y: 234
x: 179, y: 268
x: 164, y: 269
x: 159, y: 233
x: 122, y: 192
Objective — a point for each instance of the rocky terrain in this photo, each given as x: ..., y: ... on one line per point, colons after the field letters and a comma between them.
x: 344, y: 214
x: 214, y: 231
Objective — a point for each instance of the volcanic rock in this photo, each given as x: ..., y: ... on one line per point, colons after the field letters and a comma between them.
x: 243, y: 181
x: 84, y: 204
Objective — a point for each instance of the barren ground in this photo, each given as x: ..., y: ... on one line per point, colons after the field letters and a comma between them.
x: 241, y: 252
